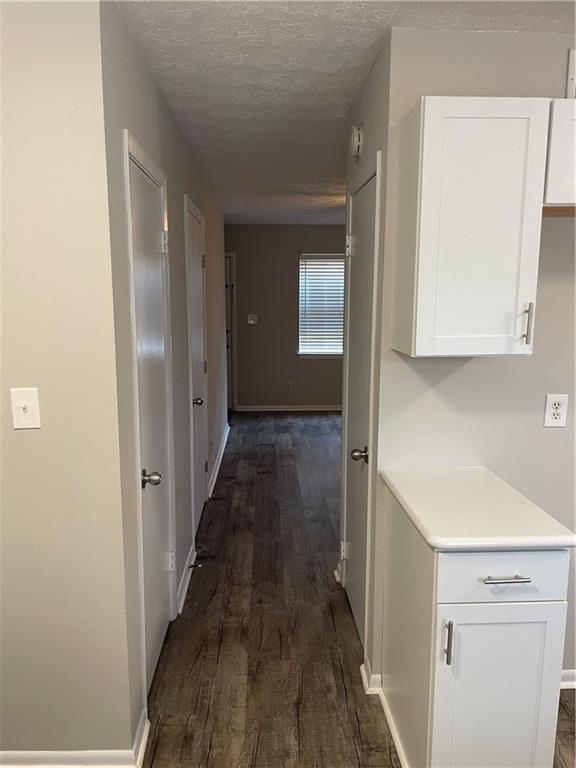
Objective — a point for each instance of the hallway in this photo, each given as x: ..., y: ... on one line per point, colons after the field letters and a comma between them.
x: 262, y: 668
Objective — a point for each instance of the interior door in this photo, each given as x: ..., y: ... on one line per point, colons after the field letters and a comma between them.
x: 194, y: 229
x: 357, y: 411
x: 149, y: 264
x: 496, y: 702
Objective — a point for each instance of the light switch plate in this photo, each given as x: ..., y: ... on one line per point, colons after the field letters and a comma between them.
x: 252, y: 319
x: 555, y: 410
x: 25, y: 408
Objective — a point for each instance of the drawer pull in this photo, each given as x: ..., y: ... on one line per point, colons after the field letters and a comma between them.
x: 510, y: 580
x: 449, y: 642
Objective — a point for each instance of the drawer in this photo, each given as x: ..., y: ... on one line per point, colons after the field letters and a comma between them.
x: 461, y: 576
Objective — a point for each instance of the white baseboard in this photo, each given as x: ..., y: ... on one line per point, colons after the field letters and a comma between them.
x: 568, y: 678
x: 185, y: 579
x: 280, y: 408
x: 372, y: 683
x: 393, y: 730
x: 218, y: 462
x: 86, y: 758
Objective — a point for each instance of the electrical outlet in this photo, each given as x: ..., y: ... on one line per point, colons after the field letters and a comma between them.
x: 290, y: 386
x: 555, y: 410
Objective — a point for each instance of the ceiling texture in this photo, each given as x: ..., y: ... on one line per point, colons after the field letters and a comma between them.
x: 261, y: 88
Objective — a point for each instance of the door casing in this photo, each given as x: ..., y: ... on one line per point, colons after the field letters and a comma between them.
x: 190, y: 208
x: 371, y: 169
x: 133, y: 151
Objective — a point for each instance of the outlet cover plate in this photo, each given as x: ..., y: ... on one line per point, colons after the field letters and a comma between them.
x: 555, y: 410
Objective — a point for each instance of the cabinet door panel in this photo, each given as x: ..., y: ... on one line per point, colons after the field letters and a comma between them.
x: 560, y: 176
x: 495, y: 705
x: 482, y: 180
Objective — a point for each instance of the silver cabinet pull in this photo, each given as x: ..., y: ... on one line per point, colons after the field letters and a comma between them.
x: 197, y: 401
x: 529, y: 323
x: 359, y: 455
x: 508, y: 580
x: 449, y: 642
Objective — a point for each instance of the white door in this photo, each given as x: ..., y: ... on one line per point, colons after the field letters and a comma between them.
x: 150, y: 270
x: 496, y: 702
x: 195, y: 267
x: 358, y: 394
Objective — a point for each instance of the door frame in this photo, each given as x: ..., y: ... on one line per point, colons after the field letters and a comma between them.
x: 371, y: 169
x: 133, y: 151
x: 191, y: 207
x: 233, y: 337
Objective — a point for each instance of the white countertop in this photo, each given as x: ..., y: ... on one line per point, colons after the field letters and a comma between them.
x: 470, y: 508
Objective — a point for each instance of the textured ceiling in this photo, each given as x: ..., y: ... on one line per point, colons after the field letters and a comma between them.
x: 261, y: 88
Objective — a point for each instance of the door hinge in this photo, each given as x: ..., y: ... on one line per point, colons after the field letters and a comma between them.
x: 350, y: 245
x: 205, y: 466
x: 205, y: 366
x: 164, y: 241
x: 170, y: 563
x: 203, y: 261
x: 344, y: 550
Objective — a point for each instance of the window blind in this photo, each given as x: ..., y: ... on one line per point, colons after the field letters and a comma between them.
x: 321, y: 325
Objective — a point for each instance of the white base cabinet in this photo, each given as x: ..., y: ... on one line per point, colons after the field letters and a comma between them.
x: 472, y: 647
x: 496, y: 684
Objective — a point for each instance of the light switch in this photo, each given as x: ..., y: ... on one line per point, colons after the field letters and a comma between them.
x: 252, y: 319
x: 25, y: 408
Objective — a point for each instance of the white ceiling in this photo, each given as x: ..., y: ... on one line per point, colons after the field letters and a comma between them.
x: 261, y: 88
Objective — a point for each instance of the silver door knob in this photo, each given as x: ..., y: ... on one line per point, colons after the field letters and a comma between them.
x: 152, y: 478
x: 359, y: 455
x: 197, y: 401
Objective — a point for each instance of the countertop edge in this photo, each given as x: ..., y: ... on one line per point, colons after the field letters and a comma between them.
x: 472, y: 544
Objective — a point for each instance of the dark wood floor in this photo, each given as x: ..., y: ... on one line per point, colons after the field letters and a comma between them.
x: 261, y: 670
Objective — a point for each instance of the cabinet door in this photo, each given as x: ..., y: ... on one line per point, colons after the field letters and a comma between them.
x: 495, y: 705
x: 482, y: 171
x: 560, y: 182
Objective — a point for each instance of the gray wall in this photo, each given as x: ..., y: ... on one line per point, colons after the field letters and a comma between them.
x: 70, y: 649
x: 267, y: 285
x: 133, y: 101
x: 64, y: 669
x: 483, y: 411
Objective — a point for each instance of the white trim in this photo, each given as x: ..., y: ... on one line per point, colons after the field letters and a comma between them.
x: 185, y: 579
x: 568, y: 678
x: 141, y: 739
x: 393, y: 730
x: 133, y: 150
x: 280, y: 408
x: 191, y: 208
x: 371, y: 170
x: 218, y: 461
x: 95, y: 758
x: 372, y: 683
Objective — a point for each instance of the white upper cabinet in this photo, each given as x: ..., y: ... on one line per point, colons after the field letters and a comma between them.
x: 560, y: 186
x: 469, y: 195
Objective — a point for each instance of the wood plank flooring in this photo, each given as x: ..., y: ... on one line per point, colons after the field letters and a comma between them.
x: 261, y: 670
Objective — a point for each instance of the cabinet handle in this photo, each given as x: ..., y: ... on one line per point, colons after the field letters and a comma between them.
x: 449, y: 642
x: 508, y: 580
x: 529, y: 323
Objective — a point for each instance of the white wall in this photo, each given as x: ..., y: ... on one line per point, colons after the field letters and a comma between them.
x: 63, y: 663
x: 133, y: 101
x: 481, y: 411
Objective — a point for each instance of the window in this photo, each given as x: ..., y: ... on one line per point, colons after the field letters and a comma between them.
x: 321, y: 326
